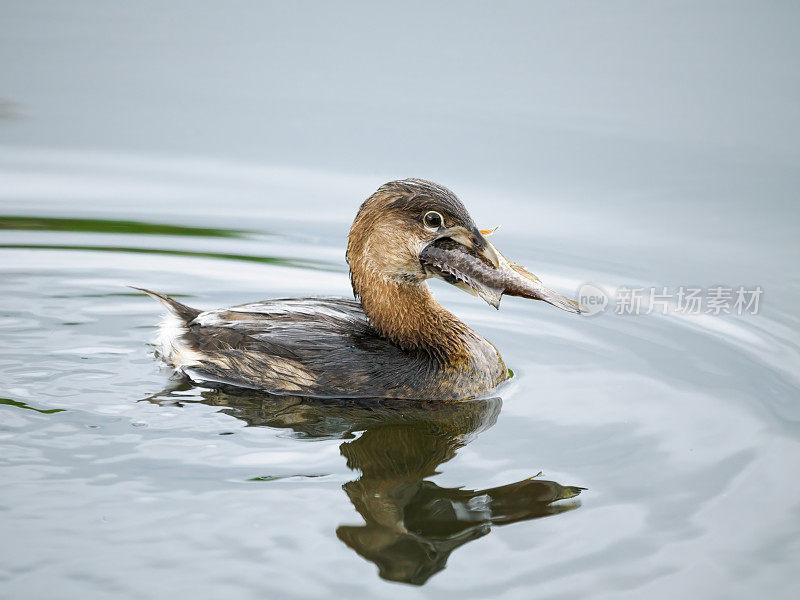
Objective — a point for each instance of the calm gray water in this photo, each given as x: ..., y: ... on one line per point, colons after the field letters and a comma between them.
x: 218, y: 152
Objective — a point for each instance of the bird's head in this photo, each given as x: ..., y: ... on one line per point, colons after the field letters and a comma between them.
x: 411, y: 230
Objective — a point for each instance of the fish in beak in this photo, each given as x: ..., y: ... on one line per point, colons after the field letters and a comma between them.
x: 466, y: 259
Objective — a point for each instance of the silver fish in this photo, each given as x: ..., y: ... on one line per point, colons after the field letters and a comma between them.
x: 456, y: 264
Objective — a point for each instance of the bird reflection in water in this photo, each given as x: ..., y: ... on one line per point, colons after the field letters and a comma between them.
x: 411, y: 524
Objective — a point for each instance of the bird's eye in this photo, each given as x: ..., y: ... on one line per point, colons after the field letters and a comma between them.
x: 432, y: 220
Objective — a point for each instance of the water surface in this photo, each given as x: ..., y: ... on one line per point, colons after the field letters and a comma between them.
x: 220, y: 156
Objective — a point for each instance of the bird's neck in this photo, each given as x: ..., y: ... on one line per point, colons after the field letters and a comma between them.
x: 408, y: 315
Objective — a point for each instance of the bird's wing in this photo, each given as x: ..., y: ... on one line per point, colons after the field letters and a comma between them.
x: 303, y: 346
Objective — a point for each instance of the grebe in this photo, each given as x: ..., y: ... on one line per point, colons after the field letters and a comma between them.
x: 394, y: 340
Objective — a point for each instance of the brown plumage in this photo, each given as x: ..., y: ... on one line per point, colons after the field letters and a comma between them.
x: 395, y: 341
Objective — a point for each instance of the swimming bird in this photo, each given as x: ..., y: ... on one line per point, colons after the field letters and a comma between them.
x: 393, y: 340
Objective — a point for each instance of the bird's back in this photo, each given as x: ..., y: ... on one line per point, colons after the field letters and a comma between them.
x: 311, y: 346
